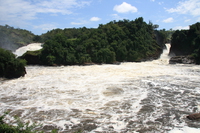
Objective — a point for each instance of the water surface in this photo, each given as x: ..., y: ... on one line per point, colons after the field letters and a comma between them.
x: 132, y: 97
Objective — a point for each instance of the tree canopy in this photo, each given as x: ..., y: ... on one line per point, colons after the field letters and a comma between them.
x: 187, y: 42
x: 124, y: 40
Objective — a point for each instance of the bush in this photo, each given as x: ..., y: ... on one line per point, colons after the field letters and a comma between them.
x: 21, y: 127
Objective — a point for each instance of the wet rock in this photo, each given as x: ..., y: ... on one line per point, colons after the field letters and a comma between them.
x: 89, y: 64
x: 112, y: 103
x: 76, y: 110
x: 194, y: 116
x: 125, y: 105
x: 147, y: 108
x: 111, y: 127
x: 90, y: 127
x: 117, y: 63
x: 49, y: 127
x: 84, y: 126
x: 17, y: 113
x: 110, y: 91
x: 182, y: 60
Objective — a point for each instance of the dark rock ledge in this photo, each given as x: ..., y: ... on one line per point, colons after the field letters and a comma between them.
x: 195, y: 116
x: 182, y: 60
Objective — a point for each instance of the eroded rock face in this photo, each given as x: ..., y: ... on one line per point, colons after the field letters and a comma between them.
x: 110, y: 91
x: 182, y: 60
x: 194, y: 116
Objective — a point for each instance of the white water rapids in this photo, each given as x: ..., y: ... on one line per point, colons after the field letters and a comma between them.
x: 147, y: 97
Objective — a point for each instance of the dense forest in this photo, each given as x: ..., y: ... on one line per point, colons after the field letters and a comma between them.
x: 115, y: 41
x: 187, y: 42
x: 12, y: 38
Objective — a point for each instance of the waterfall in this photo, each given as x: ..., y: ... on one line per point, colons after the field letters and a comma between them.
x: 30, y: 47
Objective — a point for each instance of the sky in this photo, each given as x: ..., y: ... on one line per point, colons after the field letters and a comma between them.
x: 40, y: 16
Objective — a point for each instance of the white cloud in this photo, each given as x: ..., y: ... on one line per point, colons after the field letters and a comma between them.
x: 95, y: 19
x: 125, y: 8
x: 60, y: 6
x: 45, y: 27
x: 81, y: 22
x: 116, y: 16
x: 187, y: 20
x: 181, y: 28
x: 152, y: 0
x: 191, y: 7
x: 198, y: 19
x: 11, y: 10
x: 168, y: 20
x: 76, y: 23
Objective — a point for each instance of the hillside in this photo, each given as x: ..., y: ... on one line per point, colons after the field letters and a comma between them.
x: 12, y: 38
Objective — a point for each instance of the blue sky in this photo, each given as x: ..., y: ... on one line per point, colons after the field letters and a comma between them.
x: 40, y: 16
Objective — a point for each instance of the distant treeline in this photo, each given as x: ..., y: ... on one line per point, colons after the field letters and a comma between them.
x: 119, y: 41
x: 12, y: 38
x: 187, y: 42
x: 116, y: 41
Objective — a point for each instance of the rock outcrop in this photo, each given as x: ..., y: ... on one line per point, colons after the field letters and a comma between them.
x: 194, y: 116
x: 182, y: 60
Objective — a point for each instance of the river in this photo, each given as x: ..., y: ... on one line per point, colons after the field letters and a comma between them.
x: 146, y: 97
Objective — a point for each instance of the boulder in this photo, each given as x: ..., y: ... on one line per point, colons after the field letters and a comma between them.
x: 194, y: 116
x: 182, y: 60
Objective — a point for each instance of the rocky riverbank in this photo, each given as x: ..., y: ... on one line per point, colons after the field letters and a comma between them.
x: 182, y: 60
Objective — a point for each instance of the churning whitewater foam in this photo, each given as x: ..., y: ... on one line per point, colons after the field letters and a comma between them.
x: 30, y: 47
x: 142, y: 97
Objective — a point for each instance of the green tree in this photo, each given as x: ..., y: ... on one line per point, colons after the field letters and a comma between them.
x: 10, y: 67
x: 105, y: 56
x: 58, y: 51
x: 122, y: 40
x: 186, y: 42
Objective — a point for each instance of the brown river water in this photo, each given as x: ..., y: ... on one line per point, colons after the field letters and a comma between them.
x: 146, y: 97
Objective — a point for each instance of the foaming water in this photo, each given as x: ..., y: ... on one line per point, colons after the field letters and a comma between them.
x: 30, y: 47
x: 131, y: 97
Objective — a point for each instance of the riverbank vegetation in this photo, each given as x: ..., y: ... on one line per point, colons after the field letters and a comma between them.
x: 12, y: 38
x: 187, y: 43
x: 116, y: 41
x: 20, y: 127
x: 11, y: 67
